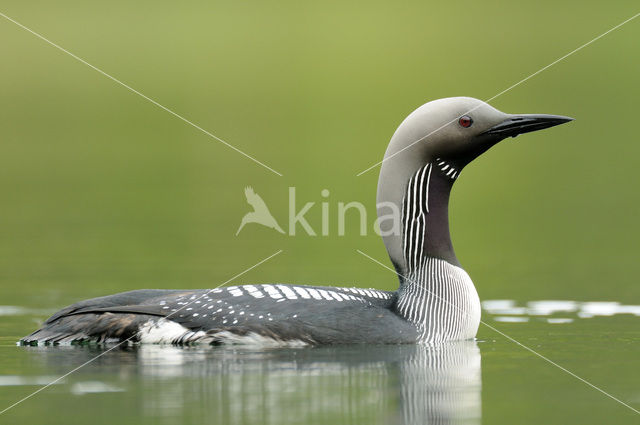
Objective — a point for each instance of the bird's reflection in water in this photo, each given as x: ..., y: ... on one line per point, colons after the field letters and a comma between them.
x: 441, y: 384
x: 336, y: 385
x: 379, y: 384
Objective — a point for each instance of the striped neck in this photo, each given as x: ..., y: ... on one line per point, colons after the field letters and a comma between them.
x: 436, y: 294
x: 440, y: 299
x: 425, y: 215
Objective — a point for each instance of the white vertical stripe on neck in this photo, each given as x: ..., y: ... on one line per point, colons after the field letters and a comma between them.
x: 438, y: 297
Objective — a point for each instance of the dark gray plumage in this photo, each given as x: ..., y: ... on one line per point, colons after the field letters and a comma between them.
x: 356, y: 318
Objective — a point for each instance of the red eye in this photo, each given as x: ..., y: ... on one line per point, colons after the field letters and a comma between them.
x: 465, y: 121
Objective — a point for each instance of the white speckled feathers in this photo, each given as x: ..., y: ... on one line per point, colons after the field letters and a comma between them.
x: 266, y: 314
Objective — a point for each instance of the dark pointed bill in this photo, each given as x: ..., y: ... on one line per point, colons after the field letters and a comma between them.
x: 519, y: 124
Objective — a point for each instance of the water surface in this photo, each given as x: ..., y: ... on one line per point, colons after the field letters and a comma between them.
x: 491, y: 380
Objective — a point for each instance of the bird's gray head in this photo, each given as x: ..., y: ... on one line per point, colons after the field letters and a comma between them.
x: 447, y: 133
x: 459, y: 129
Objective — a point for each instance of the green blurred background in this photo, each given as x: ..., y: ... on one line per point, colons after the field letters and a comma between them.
x: 101, y: 191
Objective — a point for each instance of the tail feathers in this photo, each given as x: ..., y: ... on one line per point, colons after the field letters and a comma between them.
x: 106, y: 319
x: 90, y: 327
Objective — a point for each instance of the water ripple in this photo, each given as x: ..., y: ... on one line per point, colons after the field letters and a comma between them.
x: 510, y: 311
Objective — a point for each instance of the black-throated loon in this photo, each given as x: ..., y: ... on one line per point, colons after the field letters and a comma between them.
x: 436, y: 300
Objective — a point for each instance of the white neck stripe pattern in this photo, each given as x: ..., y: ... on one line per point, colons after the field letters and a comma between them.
x: 448, y: 169
x: 438, y: 297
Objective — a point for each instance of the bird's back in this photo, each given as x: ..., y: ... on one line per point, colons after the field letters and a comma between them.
x: 266, y: 314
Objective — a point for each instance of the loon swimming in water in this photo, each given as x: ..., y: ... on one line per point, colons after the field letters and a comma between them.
x: 436, y: 300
